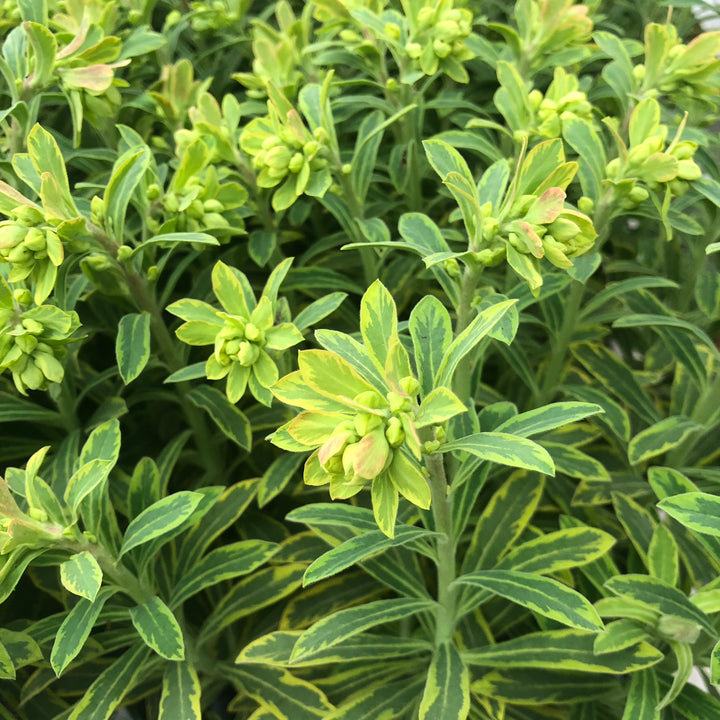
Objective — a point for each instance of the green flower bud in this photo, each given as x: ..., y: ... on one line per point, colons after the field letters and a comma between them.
x: 319, y: 134
x: 247, y: 353
x: 278, y: 157
x: 413, y: 50
x: 612, y: 168
x: 22, y: 296
x: 213, y: 206
x: 535, y: 98
x: 639, y: 73
x: 394, y: 433
x: 392, y: 30
x: 251, y: 332
x: 27, y: 215
x: 171, y: 203
x: 410, y: 385
x: 38, y: 514
x: 296, y: 163
x: 586, y: 205
x: 689, y: 170
x: 152, y: 273
x: 426, y: 15
x: 124, y: 253
x: 398, y: 403
x: 370, y: 399
x: 349, y: 36
x: 11, y: 235
x: 153, y: 192
x: 270, y: 142
x: 365, y: 423
x: 563, y: 229
x: 638, y: 194
x: 441, y: 48
x: 346, y: 169
x: 97, y: 210
x: 452, y: 268
x: 35, y: 240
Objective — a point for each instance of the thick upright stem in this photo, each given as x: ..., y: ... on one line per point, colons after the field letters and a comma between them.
x: 441, y: 504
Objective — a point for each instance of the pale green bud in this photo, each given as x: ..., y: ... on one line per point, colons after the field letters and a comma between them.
x: 394, y: 433
x: 410, y: 385
x: 398, y: 403
x: 247, y: 353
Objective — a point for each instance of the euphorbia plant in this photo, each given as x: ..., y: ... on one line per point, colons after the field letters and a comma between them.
x: 485, y: 488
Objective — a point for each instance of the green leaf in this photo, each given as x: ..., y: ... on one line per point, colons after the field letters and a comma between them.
x: 385, y: 501
x: 103, y: 443
x: 380, y: 700
x: 231, y: 421
x: 549, y: 417
x: 132, y: 345
x: 656, y: 594
x: 619, y: 635
x: 318, y: 310
x: 191, y: 372
x: 44, y: 48
x: 85, y: 479
x: 75, y: 629
x: 660, y: 437
x: 446, y: 161
x: 570, y: 650
x: 223, y: 563
x: 504, y: 449
x: 503, y: 519
x: 663, y: 556
x: 355, y: 518
x: 126, y: 175
x: 280, y: 691
x: 256, y: 591
x: 643, y: 696
x: 175, y: 238
x: 447, y: 689
x: 276, y: 648
x: 617, y: 378
x: 431, y: 331
x: 160, y: 518
x: 344, y: 624
x: 111, y: 686
x: 47, y: 158
x: 280, y: 472
x: 685, y: 663
x: 574, y: 463
x: 359, y: 548
x: 613, y: 417
x: 81, y: 575
x: 378, y: 322
x: 581, y: 136
x: 696, y: 510
x: 539, y: 687
x: 559, y: 550
x: 180, y: 699
x: 542, y: 595
x: 159, y: 629
x: 7, y: 669
x: 637, y: 521
x: 715, y: 663
x: 468, y: 339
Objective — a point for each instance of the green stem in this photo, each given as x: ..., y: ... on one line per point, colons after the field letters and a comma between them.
x: 441, y: 503
x: 556, y: 366
x: 145, y: 299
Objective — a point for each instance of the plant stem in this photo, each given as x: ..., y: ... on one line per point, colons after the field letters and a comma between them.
x: 441, y: 503
x: 145, y: 299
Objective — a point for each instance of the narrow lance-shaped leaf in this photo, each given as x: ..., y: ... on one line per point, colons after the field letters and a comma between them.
x: 378, y: 321
x: 81, y: 575
x: 159, y: 629
x: 643, y: 696
x: 161, y: 517
x: 570, y: 650
x: 506, y: 450
x: 132, y: 345
x: 447, y: 687
x: 180, y: 699
x: 468, y: 339
x: 542, y: 595
x: 344, y: 624
x: 111, y: 686
x: 696, y: 510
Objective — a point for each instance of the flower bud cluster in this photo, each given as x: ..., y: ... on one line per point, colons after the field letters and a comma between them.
x: 536, y: 225
x: 30, y: 245
x: 563, y: 100
x: 649, y: 165
x: 32, y: 342
x: 362, y: 446
x: 289, y: 153
x: 438, y: 41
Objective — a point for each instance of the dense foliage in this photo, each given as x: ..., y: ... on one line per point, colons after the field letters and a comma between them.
x: 358, y: 360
